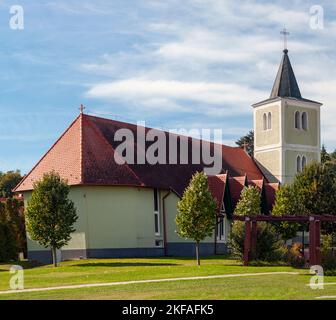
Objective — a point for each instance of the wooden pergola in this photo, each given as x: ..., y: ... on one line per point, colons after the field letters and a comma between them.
x: 250, y: 242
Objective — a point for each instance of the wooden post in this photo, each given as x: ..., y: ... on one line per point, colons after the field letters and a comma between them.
x: 254, y: 239
x: 312, y: 246
x: 247, y: 242
x: 318, y: 242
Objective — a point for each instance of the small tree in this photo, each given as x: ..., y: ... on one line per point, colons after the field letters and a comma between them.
x: 249, y: 203
x: 196, y: 216
x: 51, y: 214
x: 325, y: 156
x: 286, y: 203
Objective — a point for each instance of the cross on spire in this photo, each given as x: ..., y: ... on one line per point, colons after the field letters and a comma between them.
x: 82, y: 108
x: 285, y: 33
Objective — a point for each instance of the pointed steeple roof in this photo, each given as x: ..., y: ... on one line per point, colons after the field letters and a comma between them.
x: 285, y: 84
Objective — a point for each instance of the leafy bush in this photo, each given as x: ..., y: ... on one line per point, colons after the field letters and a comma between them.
x: 328, y: 259
x: 8, y: 248
x: 294, y: 256
x: 269, y: 247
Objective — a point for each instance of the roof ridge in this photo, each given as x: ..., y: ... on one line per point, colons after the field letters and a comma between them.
x: 48, y: 151
x: 94, y: 127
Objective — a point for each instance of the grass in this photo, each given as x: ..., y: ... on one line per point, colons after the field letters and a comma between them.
x: 115, y: 270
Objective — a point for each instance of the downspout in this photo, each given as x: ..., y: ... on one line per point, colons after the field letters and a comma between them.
x: 164, y: 223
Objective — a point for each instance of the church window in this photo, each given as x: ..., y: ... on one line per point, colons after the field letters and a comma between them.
x: 298, y: 164
x: 297, y: 120
x: 304, y: 162
x: 221, y: 224
x: 304, y: 121
x: 269, y: 121
x: 264, y: 121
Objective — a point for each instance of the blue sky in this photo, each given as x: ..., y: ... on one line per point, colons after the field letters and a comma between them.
x: 190, y: 64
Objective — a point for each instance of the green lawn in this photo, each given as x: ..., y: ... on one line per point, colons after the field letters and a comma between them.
x: 114, y: 270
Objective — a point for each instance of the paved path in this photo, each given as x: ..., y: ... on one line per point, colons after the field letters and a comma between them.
x: 109, y: 284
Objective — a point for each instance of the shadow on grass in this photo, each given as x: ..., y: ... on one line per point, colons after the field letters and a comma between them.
x: 124, y: 264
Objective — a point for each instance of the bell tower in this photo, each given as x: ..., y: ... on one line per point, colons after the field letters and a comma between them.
x: 286, y: 128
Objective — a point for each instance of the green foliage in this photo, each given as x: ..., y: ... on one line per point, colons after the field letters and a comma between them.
x: 8, y: 181
x: 269, y: 247
x: 294, y: 256
x: 196, y: 216
x: 286, y: 204
x: 268, y: 244
x: 249, y: 203
x: 247, y: 140
x: 50, y: 213
x: 8, y: 249
x: 14, y: 215
x: 325, y: 156
x: 328, y: 258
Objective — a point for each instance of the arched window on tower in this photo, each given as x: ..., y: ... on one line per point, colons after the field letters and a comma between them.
x: 298, y: 164
x: 264, y: 121
x: 297, y: 120
x: 304, y: 121
x: 269, y: 121
x: 304, y: 162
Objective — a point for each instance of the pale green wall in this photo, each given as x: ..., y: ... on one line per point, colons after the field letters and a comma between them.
x: 269, y: 163
x: 298, y: 136
x: 267, y: 137
x: 118, y: 217
x: 290, y: 167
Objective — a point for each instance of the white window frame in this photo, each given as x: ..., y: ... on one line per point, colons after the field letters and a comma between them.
x: 264, y: 119
x: 298, y: 164
x: 307, y: 122
x: 221, y: 236
x: 269, y: 121
x: 299, y: 120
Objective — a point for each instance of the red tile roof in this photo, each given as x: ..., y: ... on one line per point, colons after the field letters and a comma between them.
x: 84, y: 155
x: 270, y: 190
x: 217, y: 187
x: 236, y: 185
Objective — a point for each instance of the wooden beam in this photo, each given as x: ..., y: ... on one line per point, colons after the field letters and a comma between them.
x: 312, y: 246
x: 247, y: 242
x: 317, y: 242
x: 254, y: 239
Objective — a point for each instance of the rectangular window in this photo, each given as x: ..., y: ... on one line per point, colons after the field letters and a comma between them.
x: 156, y: 200
x: 157, y: 223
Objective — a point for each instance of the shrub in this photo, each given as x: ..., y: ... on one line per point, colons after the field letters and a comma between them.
x: 328, y: 259
x: 294, y: 256
x: 269, y: 248
x: 8, y: 248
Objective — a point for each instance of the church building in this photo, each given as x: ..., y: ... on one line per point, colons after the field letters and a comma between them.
x: 129, y: 210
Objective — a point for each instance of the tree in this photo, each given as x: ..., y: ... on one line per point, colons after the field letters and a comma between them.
x: 286, y: 204
x: 196, y: 216
x: 8, y: 181
x: 249, y: 203
x: 50, y: 213
x: 248, y: 141
x: 315, y: 189
x: 325, y: 156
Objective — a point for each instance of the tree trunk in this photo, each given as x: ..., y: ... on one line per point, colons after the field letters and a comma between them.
x: 54, y: 256
x: 197, y: 254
